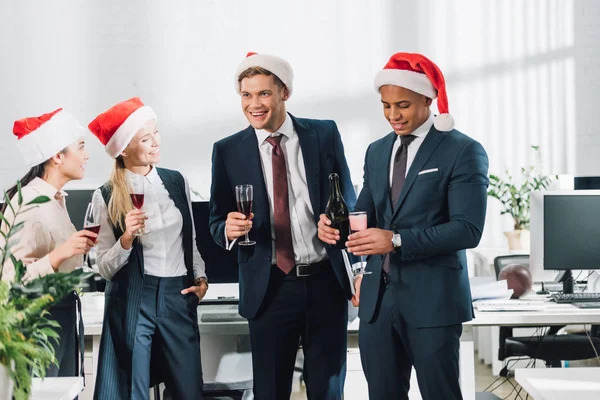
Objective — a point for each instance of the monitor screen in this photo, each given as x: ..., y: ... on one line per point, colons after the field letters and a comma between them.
x: 77, y: 202
x: 571, y: 232
x: 221, y: 265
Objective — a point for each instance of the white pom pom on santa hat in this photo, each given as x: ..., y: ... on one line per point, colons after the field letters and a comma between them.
x: 419, y: 74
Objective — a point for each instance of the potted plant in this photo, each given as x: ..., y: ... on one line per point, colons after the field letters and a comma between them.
x: 514, y: 194
x: 25, y: 332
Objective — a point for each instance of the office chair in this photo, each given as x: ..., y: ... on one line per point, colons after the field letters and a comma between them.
x: 550, y: 348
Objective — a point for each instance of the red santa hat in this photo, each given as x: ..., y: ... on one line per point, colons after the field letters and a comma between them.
x: 419, y: 74
x: 278, y: 66
x: 41, y: 138
x: 118, y: 125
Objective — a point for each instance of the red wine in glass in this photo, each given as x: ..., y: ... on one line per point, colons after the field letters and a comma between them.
x: 244, y: 195
x: 137, y: 200
x: 245, y: 207
x: 95, y: 229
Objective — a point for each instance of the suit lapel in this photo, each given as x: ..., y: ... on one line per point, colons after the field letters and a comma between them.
x: 431, y: 142
x: 253, y: 172
x: 309, y: 144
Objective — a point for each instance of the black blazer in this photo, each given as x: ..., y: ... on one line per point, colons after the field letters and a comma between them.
x: 236, y: 161
x: 440, y: 213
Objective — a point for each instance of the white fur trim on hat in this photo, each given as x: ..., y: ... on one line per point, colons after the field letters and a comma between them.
x: 274, y: 64
x: 50, y: 138
x: 415, y: 81
x: 121, y: 138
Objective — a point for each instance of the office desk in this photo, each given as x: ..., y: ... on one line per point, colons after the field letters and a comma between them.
x: 560, y: 383
x: 555, y: 314
x: 56, y: 388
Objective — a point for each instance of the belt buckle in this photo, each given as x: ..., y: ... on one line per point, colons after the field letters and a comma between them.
x: 298, y: 267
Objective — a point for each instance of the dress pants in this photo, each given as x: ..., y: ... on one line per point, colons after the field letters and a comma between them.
x: 168, y: 328
x: 68, y: 350
x: 309, y: 311
x: 389, y: 347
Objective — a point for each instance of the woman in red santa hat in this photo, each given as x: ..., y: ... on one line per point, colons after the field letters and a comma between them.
x: 53, y: 147
x: 155, y: 274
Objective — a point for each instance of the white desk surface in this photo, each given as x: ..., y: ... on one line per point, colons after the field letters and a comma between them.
x: 56, y: 388
x: 560, y: 383
x: 554, y: 314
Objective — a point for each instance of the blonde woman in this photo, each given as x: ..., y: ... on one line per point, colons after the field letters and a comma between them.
x: 155, y: 281
x: 53, y: 147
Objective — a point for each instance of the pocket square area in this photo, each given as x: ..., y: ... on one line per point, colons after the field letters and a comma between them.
x: 428, y: 171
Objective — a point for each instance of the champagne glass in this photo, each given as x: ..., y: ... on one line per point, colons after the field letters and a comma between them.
x: 137, y: 198
x: 90, y: 223
x: 358, y: 222
x: 244, y: 196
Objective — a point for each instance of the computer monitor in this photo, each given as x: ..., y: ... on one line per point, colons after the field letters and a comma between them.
x: 586, y: 182
x: 221, y: 265
x: 565, y: 233
x: 77, y: 201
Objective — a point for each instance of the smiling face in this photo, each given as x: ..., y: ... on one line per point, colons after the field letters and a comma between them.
x: 263, y: 101
x: 404, y: 109
x: 144, y: 148
x: 71, y: 162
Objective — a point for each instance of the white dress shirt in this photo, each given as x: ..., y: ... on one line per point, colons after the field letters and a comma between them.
x: 420, y: 133
x: 46, y: 227
x: 162, y: 246
x: 308, y: 248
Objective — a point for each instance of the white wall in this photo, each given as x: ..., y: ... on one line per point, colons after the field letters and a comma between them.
x: 519, y: 72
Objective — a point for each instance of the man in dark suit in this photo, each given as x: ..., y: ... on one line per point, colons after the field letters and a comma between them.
x: 292, y: 288
x: 425, y: 195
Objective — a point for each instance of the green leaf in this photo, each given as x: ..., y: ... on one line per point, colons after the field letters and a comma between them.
x: 39, y: 200
x: 7, y: 201
x: 15, y: 229
x: 19, y: 194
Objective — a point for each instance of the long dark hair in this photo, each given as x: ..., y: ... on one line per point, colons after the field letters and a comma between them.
x: 35, y: 172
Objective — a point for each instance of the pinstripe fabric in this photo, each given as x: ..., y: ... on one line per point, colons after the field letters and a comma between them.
x: 123, y: 300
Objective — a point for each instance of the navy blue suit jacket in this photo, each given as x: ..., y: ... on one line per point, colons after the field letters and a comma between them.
x: 438, y: 215
x: 236, y: 161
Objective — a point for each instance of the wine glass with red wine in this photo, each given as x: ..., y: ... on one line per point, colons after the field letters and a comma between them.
x: 244, y: 195
x: 137, y: 198
x: 90, y: 224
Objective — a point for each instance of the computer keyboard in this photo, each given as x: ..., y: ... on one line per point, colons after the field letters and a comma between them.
x: 509, y: 305
x: 221, y: 317
x: 575, y: 297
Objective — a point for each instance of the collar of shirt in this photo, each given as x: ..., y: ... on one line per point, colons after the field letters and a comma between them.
x: 46, y: 189
x: 424, y: 129
x: 286, y: 129
x: 150, y: 178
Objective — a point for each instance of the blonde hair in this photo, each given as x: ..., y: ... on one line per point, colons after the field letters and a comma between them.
x: 120, y: 201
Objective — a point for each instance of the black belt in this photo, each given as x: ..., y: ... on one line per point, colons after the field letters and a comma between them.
x: 302, y: 270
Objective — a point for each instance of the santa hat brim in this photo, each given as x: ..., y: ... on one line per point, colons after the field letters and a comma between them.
x: 123, y: 136
x: 50, y: 138
x: 276, y: 65
x: 415, y: 81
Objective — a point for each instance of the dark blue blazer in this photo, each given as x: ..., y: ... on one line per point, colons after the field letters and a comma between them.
x: 236, y: 161
x: 439, y: 214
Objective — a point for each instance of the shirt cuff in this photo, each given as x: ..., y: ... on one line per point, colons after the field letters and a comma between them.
x: 41, y: 267
x: 228, y: 246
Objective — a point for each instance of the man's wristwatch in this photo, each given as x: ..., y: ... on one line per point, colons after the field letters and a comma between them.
x: 396, y: 240
x: 199, y: 280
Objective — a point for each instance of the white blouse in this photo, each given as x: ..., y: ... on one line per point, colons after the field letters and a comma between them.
x: 162, y: 246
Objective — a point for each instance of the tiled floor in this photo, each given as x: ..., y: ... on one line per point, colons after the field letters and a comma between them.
x: 483, y: 379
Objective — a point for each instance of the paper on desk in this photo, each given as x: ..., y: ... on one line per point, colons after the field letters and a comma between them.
x: 490, y: 290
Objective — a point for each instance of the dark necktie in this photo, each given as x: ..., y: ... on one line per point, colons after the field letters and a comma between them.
x: 398, y: 179
x: 284, y: 249
x: 399, y: 176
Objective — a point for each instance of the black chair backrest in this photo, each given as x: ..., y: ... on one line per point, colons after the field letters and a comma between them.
x: 502, y: 261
